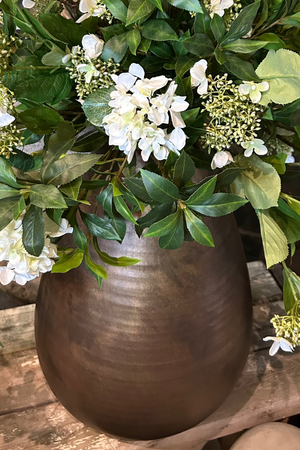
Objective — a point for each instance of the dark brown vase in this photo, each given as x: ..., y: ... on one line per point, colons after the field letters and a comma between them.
x: 160, y: 346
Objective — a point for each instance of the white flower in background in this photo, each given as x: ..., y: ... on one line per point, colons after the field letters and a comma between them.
x: 279, y: 342
x: 254, y: 90
x: 198, y: 77
x: 92, y: 45
x: 69, y: 55
x: 219, y: 6
x: 221, y: 159
x: 90, y: 8
x: 248, y: 35
x: 289, y: 152
x: 256, y: 145
x: 137, y: 115
x: 5, y: 118
x: 21, y: 266
x: 89, y: 70
x: 28, y: 4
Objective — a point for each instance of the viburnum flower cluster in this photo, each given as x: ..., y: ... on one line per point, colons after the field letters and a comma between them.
x: 140, y: 119
x: 21, y: 266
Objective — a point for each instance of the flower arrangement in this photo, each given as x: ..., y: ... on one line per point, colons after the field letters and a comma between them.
x: 181, y: 85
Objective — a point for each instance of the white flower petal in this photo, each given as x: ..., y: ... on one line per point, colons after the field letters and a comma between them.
x: 255, y: 96
x: 202, y: 88
x: 248, y: 152
x: 6, y: 275
x: 84, y: 17
x: 137, y: 71
x: 127, y: 80
x: 245, y: 89
x: 28, y: 4
x: 6, y: 119
x: 274, y: 348
x: 264, y: 86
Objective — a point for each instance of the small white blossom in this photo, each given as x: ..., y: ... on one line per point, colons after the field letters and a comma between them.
x: 92, y: 45
x: 254, y: 90
x: 221, y: 159
x: 219, y: 6
x: 279, y: 342
x: 28, y: 4
x: 6, y: 119
x: 256, y: 145
x: 89, y: 70
x: 198, y: 76
x: 89, y: 8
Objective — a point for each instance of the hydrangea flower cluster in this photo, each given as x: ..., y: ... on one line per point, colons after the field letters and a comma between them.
x: 21, y: 266
x: 88, y: 70
x: 138, y: 114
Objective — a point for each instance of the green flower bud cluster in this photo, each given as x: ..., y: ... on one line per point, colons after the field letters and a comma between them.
x: 233, y: 118
x: 106, y: 16
x: 10, y: 137
x: 287, y: 327
x: 275, y: 145
x: 101, y: 80
x: 7, y: 48
x: 6, y: 99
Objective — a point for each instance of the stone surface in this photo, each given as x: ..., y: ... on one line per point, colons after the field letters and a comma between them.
x: 270, y: 436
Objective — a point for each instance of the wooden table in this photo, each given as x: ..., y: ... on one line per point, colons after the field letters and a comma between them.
x: 32, y: 418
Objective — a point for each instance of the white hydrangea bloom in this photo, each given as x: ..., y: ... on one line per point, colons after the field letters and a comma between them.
x: 219, y: 6
x: 137, y: 115
x: 28, y: 4
x: 198, y: 76
x: 21, y: 266
x: 257, y: 146
x: 279, y: 342
x: 221, y: 159
x: 92, y: 45
x: 89, y: 8
x: 254, y: 90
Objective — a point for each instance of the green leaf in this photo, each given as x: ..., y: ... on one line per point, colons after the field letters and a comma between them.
x: 277, y: 161
x: 115, y: 49
x: 159, y: 189
x: 190, y: 116
x: 7, y: 175
x: 158, y: 30
x: 174, y: 239
x: 259, y: 182
x: 62, y: 29
x: 119, y: 224
x: 274, y: 42
x: 274, y: 241
x: 202, y: 23
x: 7, y: 191
x: 184, y: 169
x: 46, y: 197
x: 41, y: 119
x: 99, y: 227
x: 123, y: 209
x: 291, y: 288
x: 245, y: 45
x: 188, y: 5
x: 55, y: 215
x: 79, y: 237
x: 96, y: 106
x: 162, y: 50
x: 243, y: 23
x: 34, y: 231
x: 9, y: 209
x: 134, y: 40
x: 54, y: 57
x: 24, y: 162
x: 282, y: 71
x: 154, y: 215
x: 72, y: 189
x: 137, y: 187
x: 199, y: 45
x: 68, y: 168
x: 198, y: 230
x: 117, y: 8
x: 96, y: 269
x: 241, y: 69
x: 203, y: 193
x: 184, y: 64
x: 292, y: 202
x: 158, y: 4
x: 138, y: 9
x: 105, y: 199
x: 122, y: 261
x: 68, y: 262
x: 164, y: 226
x: 219, y: 205
x: 144, y: 45
x: 58, y: 145
x: 288, y: 220
x: 218, y: 27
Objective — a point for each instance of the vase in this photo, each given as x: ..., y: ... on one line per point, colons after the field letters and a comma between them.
x: 160, y: 346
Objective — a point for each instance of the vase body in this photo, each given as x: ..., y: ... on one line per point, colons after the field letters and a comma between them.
x: 160, y: 346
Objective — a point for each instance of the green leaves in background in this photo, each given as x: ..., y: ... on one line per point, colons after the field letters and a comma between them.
x: 134, y: 40
x: 10, y: 208
x: 115, y: 49
x: 243, y: 23
x: 174, y: 239
x: 62, y: 29
x: 188, y: 5
x: 117, y: 8
x: 41, y: 119
x: 281, y: 69
x: 259, y: 182
x: 138, y: 10
x: 99, y: 227
x: 184, y: 169
x: 158, y: 30
x: 96, y: 106
x: 123, y: 209
x: 274, y: 240
x: 158, y: 188
x: 7, y: 175
x: 46, y: 197
x: 199, y: 45
x: 34, y: 230
x: 68, y: 262
x: 291, y: 288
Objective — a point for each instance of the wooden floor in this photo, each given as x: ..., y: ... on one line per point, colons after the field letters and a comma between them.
x: 31, y: 417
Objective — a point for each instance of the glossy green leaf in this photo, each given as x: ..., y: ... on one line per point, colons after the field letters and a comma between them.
x: 158, y: 30
x: 162, y: 50
x: 115, y: 49
x: 217, y: 26
x: 96, y: 106
x: 245, y: 45
x: 154, y: 215
x: 63, y: 29
x: 139, y: 9
x: 158, y: 188
x: 188, y: 5
x: 7, y: 175
x: 200, y: 45
x: 184, y: 169
x: 274, y: 241
x: 219, y: 205
x: 174, y: 239
x: 68, y: 168
x: 164, y: 226
x: 99, y: 227
x: 273, y: 41
x: 46, y: 197
x: 197, y: 228
x: 9, y: 207
x: 117, y: 8
x: 203, y: 193
x: 33, y: 230
x: 7, y: 191
x: 291, y: 288
x: 68, y: 262
x: 288, y: 220
x: 202, y: 23
x: 96, y: 269
x: 122, y: 261
x: 190, y: 116
x: 243, y: 70
x: 72, y: 189
x: 123, y: 209
x: 133, y: 40
x: 243, y: 23
x: 78, y: 235
x: 184, y: 64
x: 41, y: 119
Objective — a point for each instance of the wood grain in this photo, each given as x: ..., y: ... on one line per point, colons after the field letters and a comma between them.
x: 17, y: 329
x: 31, y: 418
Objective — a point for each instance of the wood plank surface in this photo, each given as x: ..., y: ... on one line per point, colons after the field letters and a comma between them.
x: 31, y: 418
